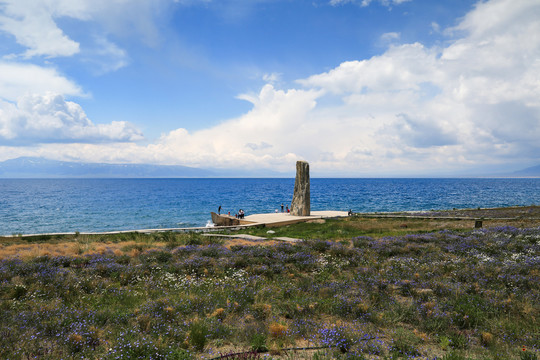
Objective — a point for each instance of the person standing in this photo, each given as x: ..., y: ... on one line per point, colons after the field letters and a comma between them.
x: 219, y: 210
x: 281, y: 207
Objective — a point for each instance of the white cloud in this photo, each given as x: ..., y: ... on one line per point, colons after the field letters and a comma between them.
x: 18, y: 79
x: 257, y: 147
x: 32, y: 105
x: 390, y: 36
x: 275, y: 123
x: 339, y: 2
x: 106, y: 56
x: 399, y: 68
x: 412, y: 109
x: 34, y: 23
x: 33, y: 26
x: 50, y: 118
x: 421, y: 133
x: 272, y: 78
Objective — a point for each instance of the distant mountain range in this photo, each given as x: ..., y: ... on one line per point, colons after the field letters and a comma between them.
x: 34, y: 167
x: 533, y: 171
x: 30, y: 167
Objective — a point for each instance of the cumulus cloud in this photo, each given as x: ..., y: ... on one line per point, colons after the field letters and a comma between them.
x: 261, y: 146
x: 275, y: 124
x: 33, y: 109
x: 34, y: 24
x: 420, y: 133
x: 412, y: 109
x: 50, y: 118
x: 18, y: 79
x: 399, y: 68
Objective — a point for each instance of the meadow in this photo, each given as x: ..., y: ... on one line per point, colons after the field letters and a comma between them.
x: 355, y: 288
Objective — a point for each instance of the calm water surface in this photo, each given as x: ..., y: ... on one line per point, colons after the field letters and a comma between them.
x: 62, y: 205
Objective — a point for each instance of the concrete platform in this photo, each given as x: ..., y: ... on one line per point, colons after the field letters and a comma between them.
x: 267, y: 220
x: 253, y: 237
x: 281, y: 219
x: 237, y: 236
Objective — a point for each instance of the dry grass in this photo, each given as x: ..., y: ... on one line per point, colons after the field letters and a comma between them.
x: 26, y: 251
x: 276, y: 330
x: 243, y: 242
x: 72, y: 248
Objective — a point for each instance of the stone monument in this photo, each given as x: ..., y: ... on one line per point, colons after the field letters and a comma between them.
x: 300, y: 205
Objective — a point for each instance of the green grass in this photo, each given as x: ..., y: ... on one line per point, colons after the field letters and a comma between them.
x: 336, y: 229
x: 373, y: 290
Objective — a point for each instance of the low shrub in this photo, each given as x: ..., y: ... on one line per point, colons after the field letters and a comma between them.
x: 527, y: 355
x: 404, y: 343
x: 458, y: 341
x: 198, y: 335
x: 258, y: 342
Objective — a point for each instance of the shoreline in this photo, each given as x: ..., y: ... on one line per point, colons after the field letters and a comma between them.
x: 283, y: 219
x: 257, y: 220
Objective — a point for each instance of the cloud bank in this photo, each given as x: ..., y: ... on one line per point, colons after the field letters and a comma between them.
x: 33, y: 109
x: 50, y: 118
x: 413, y: 109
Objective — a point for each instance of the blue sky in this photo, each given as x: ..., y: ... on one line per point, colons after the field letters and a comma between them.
x: 356, y: 87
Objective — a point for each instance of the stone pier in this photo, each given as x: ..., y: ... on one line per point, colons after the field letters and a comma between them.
x: 300, y: 205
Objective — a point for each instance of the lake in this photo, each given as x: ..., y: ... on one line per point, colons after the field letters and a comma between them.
x: 30, y: 206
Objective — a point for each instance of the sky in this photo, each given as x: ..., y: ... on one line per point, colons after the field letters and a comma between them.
x: 359, y: 88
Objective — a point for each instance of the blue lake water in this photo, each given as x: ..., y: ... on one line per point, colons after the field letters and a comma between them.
x: 32, y: 206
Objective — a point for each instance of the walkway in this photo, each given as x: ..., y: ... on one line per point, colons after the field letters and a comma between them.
x: 253, y: 237
x: 281, y: 219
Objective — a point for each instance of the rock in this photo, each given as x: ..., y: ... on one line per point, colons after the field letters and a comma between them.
x: 224, y: 220
x: 300, y: 205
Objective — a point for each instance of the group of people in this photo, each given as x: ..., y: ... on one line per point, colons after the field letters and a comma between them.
x: 239, y: 215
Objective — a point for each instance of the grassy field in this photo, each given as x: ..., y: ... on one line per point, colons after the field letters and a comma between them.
x: 355, y: 288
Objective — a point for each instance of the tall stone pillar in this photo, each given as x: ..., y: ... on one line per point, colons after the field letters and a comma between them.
x: 300, y: 204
